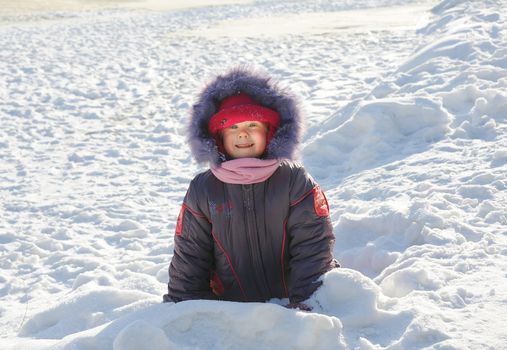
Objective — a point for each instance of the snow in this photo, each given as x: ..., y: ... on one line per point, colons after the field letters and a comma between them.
x: 29, y: 7
x: 406, y: 108
x: 352, y: 20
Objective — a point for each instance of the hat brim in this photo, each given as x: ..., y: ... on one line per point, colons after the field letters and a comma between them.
x: 238, y: 114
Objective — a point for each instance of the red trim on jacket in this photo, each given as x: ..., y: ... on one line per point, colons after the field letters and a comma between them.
x: 195, y: 213
x: 181, y: 218
x: 230, y: 264
x: 301, y: 198
x: 320, y: 204
x: 283, y: 260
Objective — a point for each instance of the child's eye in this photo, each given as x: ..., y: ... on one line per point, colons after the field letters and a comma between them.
x: 253, y: 125
x: 234, y: 126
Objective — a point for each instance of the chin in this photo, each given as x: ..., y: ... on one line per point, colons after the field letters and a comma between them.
x: 246, y: 156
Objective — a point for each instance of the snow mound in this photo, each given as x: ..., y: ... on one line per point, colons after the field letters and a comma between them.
x: 214, y: 325
x: 376, y: 132
x: 353, y: 298
x: 81, y: 311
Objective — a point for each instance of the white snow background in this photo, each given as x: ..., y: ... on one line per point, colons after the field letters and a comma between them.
x: 406, y: 107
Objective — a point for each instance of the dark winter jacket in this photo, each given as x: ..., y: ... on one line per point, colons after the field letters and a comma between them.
x: 251, y: 242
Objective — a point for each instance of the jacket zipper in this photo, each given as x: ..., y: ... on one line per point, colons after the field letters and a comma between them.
x: 252, y: 239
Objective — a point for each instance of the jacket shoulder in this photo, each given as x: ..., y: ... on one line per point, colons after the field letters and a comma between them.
x: 198, y: 192
x: 301, y: 182
x: 291, y: 164
x: 202, y: 178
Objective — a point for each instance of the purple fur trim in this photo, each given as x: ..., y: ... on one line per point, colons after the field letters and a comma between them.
x: 264, y: 90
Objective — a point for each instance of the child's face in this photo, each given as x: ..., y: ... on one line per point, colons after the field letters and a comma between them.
x: 245, y: 139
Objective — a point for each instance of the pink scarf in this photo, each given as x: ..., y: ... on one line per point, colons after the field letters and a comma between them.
x: 245, y: 171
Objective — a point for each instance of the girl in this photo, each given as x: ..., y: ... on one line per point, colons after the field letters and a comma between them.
x: 255, y: 226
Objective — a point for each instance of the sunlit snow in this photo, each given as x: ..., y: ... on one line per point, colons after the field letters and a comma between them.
x: 406, y: 110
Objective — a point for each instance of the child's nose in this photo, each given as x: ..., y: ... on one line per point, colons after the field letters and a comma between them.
x: 242, y: 133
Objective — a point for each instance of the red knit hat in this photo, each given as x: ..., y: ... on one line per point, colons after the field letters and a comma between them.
x: 241, y: 108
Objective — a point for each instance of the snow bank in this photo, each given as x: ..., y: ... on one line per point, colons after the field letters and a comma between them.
x: 375, y: 133
x: 454, y: 85
x: 211, y: 325
x: 83, y: 310
x: 420, y: 212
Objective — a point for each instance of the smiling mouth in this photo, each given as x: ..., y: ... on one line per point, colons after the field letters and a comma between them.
x: 245, y: 145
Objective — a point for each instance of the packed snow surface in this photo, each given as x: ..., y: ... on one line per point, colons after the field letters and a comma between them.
x: 406, y: 106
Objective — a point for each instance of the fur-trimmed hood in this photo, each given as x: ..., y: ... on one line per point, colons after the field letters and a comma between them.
x: 264, y: 90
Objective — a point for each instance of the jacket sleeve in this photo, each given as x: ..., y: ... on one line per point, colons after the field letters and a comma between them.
x: 310, y: 237
x: 191, y: 264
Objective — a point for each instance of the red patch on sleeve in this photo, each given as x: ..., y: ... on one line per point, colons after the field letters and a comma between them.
x: 179, y: 222
x: 320, y: 202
